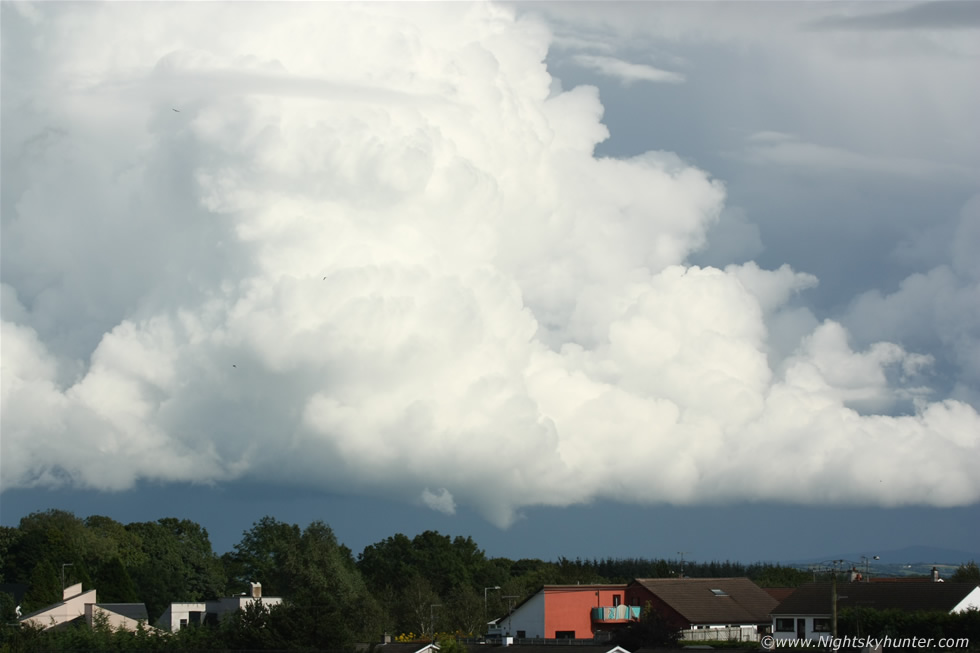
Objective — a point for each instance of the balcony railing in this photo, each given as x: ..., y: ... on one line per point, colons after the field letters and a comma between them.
x: 616, y: 613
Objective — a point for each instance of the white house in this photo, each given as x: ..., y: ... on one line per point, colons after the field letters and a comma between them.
x: 76, y: 603
x: 807, y: 612
x: 71, y: 607
x: 181, y: 615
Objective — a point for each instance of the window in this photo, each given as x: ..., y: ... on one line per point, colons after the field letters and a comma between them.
x: 521, y: 634
x: 785, y: 626
x: 564, y: 634
x: 183, y: 623
x: 821, y: 625
x: 719, y: 592
x: 616, y: 600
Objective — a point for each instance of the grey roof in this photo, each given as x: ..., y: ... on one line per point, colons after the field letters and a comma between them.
x: 814, y: 598
x: 741, y: 600
x: 135, y: 611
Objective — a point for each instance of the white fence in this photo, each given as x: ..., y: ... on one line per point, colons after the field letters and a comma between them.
x: 733, y: 633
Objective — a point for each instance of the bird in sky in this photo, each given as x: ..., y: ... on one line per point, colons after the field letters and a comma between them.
x: 177, y: 110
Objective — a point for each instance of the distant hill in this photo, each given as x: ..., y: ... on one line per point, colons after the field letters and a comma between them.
x: 907, y: 561
x: 910, y: 555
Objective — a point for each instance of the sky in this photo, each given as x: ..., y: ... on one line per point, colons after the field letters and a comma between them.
x: 575, y: 279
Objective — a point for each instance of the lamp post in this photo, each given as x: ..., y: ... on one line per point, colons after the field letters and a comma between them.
x: 867, y: 564
x: 67, y: 564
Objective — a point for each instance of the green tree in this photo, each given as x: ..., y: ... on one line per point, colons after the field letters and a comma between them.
x: 8, y: 542
x: 261, y: 556
x: 44, y: 589
x: 115, y: 584
x: 178, y: 564
x: 449, y: 644
x: 966, y: 573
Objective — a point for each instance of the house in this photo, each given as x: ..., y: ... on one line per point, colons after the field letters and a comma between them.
x: 407, y: 647
x: 76, y: 604
x: 692, y: 604
x: 807, y: 613
x: 567, y: 612
x: 193, y: 613
x: 71, y: 607
x: 126, y: 616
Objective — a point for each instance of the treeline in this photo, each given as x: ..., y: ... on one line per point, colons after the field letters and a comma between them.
x: 424, y: 584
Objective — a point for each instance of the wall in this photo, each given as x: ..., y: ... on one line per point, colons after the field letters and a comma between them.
x: 639, y: 595
x: 72, y: 608
x: 529, y: 617
x: 570, y: 608
x: 170, y: 619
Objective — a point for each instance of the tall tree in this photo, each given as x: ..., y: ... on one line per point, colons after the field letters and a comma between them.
x: 262, y: 554
x: 45, y: 588
x: 178, y: 564
x: 966, y: 573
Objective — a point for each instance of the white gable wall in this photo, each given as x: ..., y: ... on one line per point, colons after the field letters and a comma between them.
x: 970, y: 602
x: 529, y: 618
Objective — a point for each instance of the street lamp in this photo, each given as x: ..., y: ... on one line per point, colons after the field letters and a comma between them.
x: 867, y: 564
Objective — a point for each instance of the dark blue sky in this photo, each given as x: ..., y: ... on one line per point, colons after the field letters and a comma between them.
x: 745, y: 533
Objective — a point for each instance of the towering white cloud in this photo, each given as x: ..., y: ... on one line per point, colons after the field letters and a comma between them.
x: 363, y: 247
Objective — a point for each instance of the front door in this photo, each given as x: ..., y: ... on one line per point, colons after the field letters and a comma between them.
x: 801, y: 628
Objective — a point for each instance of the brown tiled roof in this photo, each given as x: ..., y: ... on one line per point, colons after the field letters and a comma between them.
x: 743, y: 601
x: 779, y: 593
x: 814, y: 598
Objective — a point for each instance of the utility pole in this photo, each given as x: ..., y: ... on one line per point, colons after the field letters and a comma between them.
x: 833, y: 604
x: 67, y: 564
x: 510, y: 610
x: 682, y: 554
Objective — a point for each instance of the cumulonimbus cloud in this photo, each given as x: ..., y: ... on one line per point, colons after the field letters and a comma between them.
x: 425, y: 279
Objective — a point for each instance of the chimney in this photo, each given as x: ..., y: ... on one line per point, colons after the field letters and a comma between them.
x: 935, y: 575
x: 256, y: 590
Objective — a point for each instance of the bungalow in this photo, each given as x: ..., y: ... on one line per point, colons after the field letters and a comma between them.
x: 692, y: 604
x: 807, y: 612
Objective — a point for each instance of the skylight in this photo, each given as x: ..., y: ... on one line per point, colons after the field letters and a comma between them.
x: 719, y: 592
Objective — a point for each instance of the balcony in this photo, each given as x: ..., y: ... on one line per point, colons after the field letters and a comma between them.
x: 615, y: 614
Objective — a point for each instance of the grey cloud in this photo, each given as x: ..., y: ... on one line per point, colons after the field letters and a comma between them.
x: 939, y: 15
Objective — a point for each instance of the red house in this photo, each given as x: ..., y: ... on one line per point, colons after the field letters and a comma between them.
x: 568, y: 612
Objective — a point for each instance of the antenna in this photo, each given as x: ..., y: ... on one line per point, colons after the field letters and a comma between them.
x: 682, y: 554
